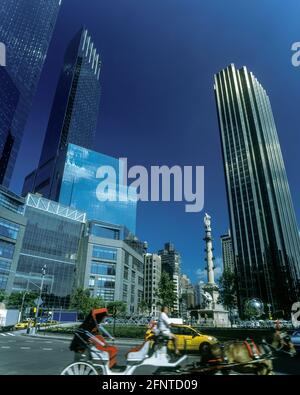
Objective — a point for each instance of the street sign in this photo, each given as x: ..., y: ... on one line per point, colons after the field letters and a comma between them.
x: 38, y: 301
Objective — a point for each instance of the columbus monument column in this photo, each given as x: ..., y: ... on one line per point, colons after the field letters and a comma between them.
x: 213, y: 309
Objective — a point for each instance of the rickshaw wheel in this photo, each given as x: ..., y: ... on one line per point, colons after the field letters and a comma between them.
x: 79, y: 369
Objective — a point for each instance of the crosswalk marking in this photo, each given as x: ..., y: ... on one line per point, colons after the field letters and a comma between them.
x: 25, y: 348
x: 7, y: 334
x: 47, y: 349
x: 5, y: 346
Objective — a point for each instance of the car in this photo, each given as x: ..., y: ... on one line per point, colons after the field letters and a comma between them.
x: 22, y: 325
x: 295, y: 338
x: 188, y: 338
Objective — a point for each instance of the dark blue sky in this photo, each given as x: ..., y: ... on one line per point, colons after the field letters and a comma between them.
x: 157, y: 105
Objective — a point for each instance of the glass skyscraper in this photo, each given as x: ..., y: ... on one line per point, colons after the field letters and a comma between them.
x: 73, y: 117
x: 80, y: 188
x: 26, y: 30
x: 9, y: 97
x: 262, y: 218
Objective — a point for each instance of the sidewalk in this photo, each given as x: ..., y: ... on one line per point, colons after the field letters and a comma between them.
x: 118, y: 341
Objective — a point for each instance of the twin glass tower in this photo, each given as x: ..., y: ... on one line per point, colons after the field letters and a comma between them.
x: 262, y: 218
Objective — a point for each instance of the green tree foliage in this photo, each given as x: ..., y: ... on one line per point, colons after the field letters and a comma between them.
x: 118, y: 306
x: 166, y: 291
x: 84, y: 303
x: 228, y: 289
x: 2, y: 296
x: 15, y: 299
x: 144, y: 307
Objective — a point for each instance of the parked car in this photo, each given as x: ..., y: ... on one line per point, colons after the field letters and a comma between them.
x: 295, y: 338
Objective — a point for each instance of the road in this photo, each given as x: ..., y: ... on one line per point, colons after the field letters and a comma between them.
x: 25, y: 355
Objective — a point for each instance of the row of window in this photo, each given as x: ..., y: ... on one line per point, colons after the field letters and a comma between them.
x: 101, y: 252
x: 103, y: 268
x: 6, y: 249
x: 9, y: 229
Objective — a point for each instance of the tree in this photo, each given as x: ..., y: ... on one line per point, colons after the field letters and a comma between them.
x: 228, y: 290
x: 118, y: 306
x: 2, y: 296
x: 84, y: 303
x: 166, y: 291
x: 144, y: 307
x: 18, y: 299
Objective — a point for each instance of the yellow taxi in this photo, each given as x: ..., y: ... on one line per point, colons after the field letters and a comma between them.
x: 188, y: 338
x: 22, y: 325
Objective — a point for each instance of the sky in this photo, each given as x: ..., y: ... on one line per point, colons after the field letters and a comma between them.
x: 157, y: 103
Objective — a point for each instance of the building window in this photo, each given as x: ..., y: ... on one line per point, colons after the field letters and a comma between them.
x: 141, y: 281
x: 8, y: 229
x: 6, y: 249
x: 103, y: 282
x: 103, y: 268
x: 91, y: 282
x: 4, y: 272
x: 105, y: 253
x: 125, y: 272
x: 102, y: 231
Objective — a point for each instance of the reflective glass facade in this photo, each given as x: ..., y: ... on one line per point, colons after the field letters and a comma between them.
x: 9, y: 96
x: 79, y: 188
x: 263, y: 224
x: 73, y: 117
x: 52, y: 238
x: 12, y: 225
x: 26, y: 30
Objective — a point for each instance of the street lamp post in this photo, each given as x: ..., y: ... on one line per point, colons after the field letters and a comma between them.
x: 39, y: 299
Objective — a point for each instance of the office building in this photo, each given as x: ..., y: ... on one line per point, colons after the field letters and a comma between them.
x: 109, y: 267
x: 52, y: 237
x: 152, y: 276
x: 26, y: 30
x: 227, y: 252
x: 171, y: 264
x: 263, y: 224
x: 199, y: 298
x: 12, y: 227
x: 73, y: 117
x: 187, y: 297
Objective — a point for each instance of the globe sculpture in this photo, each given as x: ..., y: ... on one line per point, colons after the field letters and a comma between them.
x: 254, y: 308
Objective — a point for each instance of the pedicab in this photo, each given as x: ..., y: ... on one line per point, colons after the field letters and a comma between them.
x: 94, y: 356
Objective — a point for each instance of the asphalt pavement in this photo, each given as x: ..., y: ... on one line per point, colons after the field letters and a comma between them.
x: 21, y: 354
